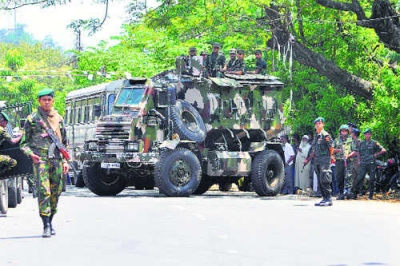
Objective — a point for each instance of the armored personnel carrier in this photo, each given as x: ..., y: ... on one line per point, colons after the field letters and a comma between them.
x: 183, y: 132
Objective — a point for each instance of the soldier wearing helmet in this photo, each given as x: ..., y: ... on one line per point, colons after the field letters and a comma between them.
x: 342, y: 148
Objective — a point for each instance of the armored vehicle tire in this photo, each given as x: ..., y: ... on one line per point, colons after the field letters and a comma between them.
x: 12, y: 193
x: 267, y: 173
x: 188, y: 123
x: 101, y: 183
x: 79, y: 180
x: 177, y: 173
x: 19, y: 189
x: 205, y: 184
x: 3, y: 197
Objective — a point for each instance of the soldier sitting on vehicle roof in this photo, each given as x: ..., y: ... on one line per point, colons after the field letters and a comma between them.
x: 6, y: 162
x: 239, y: 68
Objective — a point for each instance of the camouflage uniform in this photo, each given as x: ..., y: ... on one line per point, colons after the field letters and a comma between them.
x: 6, y: 162
x: 239, y: 65
x: 49, y: 171
x: 215, y: 62
x: 353, y: 162
x: 230, y: 64
x: 343, y: 167
x: 366, y: 152
x: 322, y: 158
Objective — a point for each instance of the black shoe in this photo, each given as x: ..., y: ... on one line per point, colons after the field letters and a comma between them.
x: 46, y: 227
x: 328, y: 202
x: 53, y: 232
x: 341, y: 197
x: 319, y: 203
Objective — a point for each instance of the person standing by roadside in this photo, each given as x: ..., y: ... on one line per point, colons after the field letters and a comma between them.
x: 352, y: 160
x: 302, y: 172
x: 368, y: 151
x: 288, y: 188
x: 322, y: 150
x: 342, y: 148
x: 49, y: 167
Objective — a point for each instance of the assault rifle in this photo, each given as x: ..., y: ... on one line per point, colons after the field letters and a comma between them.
x: 56, y: 142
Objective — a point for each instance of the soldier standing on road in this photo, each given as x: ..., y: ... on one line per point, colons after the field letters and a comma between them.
x: 50, y: 171
x: 342, y: 148
x: 368, y: 151
x: 352, y: 159
x: 215, y: 61
x: 6, y: 162
x: 322, y: 150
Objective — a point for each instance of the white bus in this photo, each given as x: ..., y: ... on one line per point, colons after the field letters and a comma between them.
x: 83, y: 107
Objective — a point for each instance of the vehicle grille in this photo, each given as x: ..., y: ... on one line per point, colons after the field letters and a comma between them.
x: 113, y: 128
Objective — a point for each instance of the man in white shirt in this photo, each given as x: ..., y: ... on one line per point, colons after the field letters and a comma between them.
x: 288, y: 187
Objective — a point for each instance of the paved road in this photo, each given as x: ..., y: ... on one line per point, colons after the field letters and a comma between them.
x: 144, y: 228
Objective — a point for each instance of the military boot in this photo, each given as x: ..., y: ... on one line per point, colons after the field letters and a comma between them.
x: 327, y: 202
x: 321, y: 202
x: 46, y: 226
x: 340, y: 197
x: 53, y: 232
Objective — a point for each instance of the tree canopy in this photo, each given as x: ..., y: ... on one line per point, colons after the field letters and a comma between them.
x: 338, y: 59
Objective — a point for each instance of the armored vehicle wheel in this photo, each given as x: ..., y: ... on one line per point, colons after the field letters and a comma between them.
x: 205, y: 184
x: 12, y: 193
x: 225, y: 186
x: 79, y: 180
x: 188, y: 123
x: 3, y: 197
x: 267, y: 173
x: 178, y: 173
x: 102, y: 183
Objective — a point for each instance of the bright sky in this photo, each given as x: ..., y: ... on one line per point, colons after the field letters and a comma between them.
x: 53, y: 21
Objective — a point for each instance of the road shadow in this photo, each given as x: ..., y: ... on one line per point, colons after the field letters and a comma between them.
x: 20, y: 237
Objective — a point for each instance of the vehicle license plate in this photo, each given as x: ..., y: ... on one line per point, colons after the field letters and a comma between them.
x: 110, y: 165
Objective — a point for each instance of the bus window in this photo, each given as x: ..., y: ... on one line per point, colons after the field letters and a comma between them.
x: 111, y: 99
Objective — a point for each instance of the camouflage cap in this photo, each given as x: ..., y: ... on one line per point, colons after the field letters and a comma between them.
x: 344, y: 127
x: 46, y: 92
x: 4, y: 116
x: 217, y: 45
x: 232, y: 51
x: 240, y: 51
x: 368, y: 130
x: 192, y: 49
x: 319, y: 119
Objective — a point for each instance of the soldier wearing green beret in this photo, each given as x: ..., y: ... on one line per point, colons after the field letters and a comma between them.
x: 368, y: 151
x: 49, y: 168
x: 321, y: 152
x: 6, y: 162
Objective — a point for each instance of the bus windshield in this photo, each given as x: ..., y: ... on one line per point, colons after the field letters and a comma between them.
x: 129, y: 96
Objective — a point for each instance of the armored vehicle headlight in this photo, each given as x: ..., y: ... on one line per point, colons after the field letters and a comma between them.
x: 92, y: 146
x: 131, y: 146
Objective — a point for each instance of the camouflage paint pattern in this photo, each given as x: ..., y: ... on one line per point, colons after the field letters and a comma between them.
x: 6, y: 162
x: 49, y: 185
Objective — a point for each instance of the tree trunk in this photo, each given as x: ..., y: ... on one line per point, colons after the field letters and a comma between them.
x: 307, y: 57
